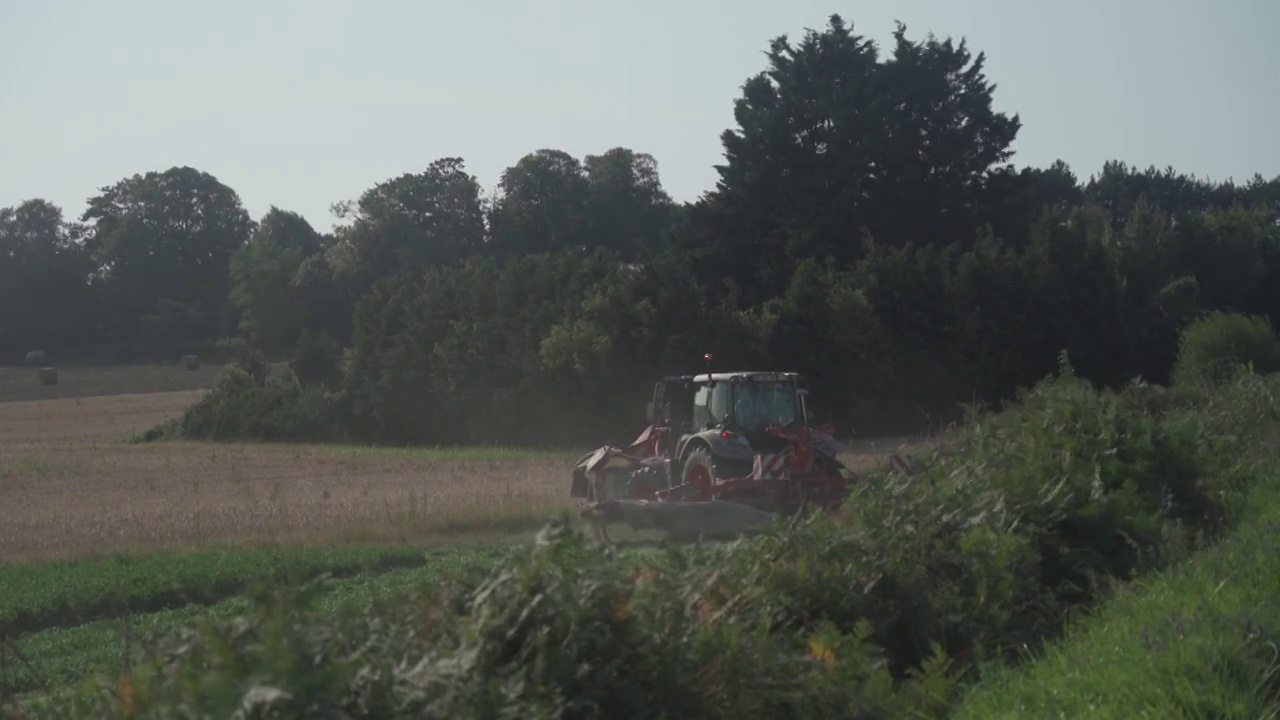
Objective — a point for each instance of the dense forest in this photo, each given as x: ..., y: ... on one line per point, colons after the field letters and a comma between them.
x: 868, y: 229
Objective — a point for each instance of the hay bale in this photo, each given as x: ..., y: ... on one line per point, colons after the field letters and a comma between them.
x: 36, y: 358
x: 190, y: 362
x: 47, y: 375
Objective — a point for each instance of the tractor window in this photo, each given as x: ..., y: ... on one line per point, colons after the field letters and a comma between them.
x: 757, y: 405
x: 701, y: 416
x: 679, y: 404
x: 720, y: 402
x: 718, y: 397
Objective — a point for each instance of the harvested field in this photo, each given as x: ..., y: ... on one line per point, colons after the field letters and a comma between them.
x: 70, y: 485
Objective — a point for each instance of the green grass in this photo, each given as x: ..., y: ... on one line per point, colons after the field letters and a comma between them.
x: 58, y: 594
x: 1195, y: 641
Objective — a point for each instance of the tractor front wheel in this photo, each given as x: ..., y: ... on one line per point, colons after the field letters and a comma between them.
x: 700, y: 471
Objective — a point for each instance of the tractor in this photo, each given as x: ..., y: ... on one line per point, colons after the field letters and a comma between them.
x: 744, y: 437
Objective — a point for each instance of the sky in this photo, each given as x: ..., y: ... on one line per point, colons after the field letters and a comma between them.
x: 303, y: 103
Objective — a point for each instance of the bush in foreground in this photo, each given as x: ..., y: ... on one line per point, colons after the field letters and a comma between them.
x: 1043, y: 508
x: 1197, y: 640
x: 877, y: 613
x: 564, y: 631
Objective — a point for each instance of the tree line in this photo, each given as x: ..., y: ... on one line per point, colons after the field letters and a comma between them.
x: 867, y: 229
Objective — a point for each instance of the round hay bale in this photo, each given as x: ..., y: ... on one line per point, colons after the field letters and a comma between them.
x: 47, y: 375
x: 36, y: 358
x: 190, y: 362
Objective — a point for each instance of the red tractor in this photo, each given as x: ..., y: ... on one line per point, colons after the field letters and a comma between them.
x: 744, y: 437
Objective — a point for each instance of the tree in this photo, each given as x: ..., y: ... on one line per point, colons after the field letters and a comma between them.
x: 628, y: 212
x: 409, y: 222
x: 264, y: 274
x: 542, y: 206
x: 1015, y: 199
x: 1120, y: 188
x: 167, y: 235
x: 44, y: 270
x: 833, y: 144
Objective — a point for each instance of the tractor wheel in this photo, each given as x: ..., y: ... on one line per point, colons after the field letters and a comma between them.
x: 700, y: 471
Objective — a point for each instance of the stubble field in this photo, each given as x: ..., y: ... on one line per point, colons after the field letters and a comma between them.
x: 71, y: 485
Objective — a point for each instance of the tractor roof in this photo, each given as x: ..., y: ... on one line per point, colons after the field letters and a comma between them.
x: 748, y: 375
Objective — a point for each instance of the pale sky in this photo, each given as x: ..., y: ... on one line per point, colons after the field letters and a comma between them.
x: 303, y: 103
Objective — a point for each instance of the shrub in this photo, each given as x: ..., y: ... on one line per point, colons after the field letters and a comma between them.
x: 1213, y: 348
x: 239, y: 407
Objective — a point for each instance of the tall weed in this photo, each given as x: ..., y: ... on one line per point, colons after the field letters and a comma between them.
x: 564, y: 631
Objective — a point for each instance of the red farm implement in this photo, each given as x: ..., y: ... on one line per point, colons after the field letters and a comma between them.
x: 743, y: 437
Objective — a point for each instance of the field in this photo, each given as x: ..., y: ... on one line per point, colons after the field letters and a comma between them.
x: 71, y: 485
x: 102, y: 538
x: 110, y: 550
x: 77, y: 381
x: 94, y: 528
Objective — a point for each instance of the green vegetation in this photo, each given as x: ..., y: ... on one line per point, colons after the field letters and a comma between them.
x: 56, y: 660
x: 59, y: 657
x: 241, y: 406
x: 1196, y: 640
x: 1214, y: 346
x: 59, y: 593
x: 1024, y: 524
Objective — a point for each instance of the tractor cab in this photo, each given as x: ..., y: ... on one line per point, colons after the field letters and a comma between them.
x: 733, y: 416
x: 747, y: 403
